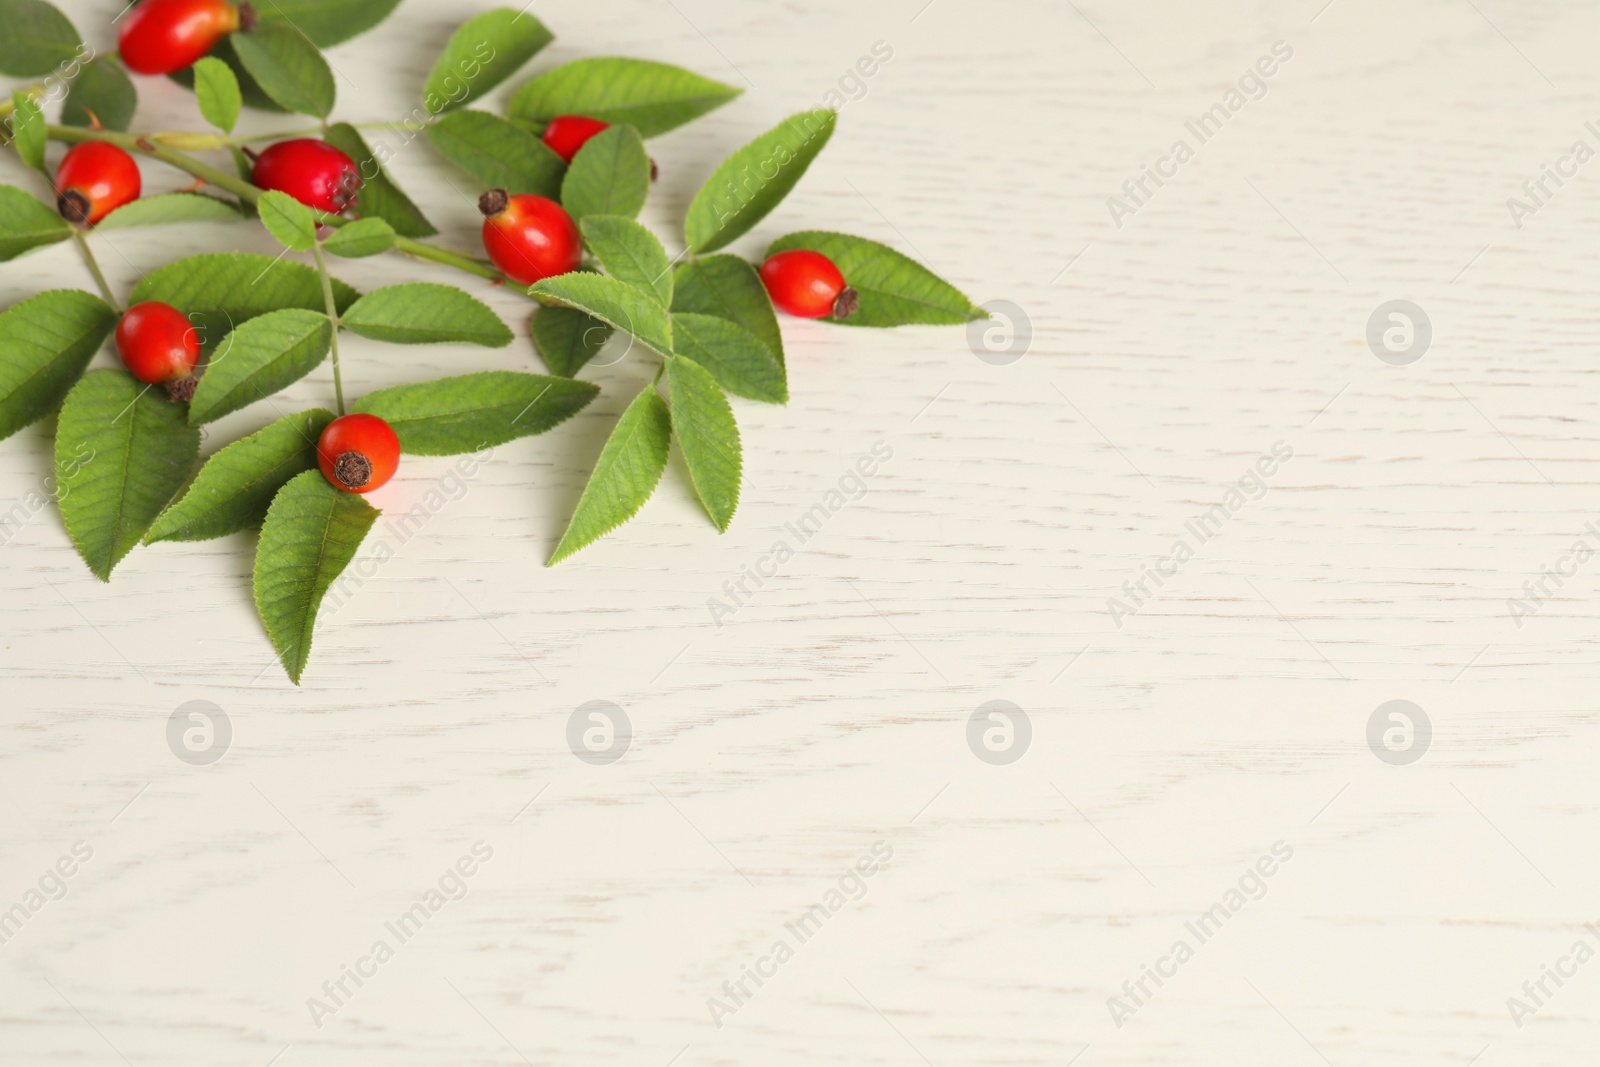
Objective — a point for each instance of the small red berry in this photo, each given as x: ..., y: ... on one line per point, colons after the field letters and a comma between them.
x: 807, y: 285
x: 316, y: 174
x: 161, y: 36
x: 528, y: 237
x: 358, y: 453
x: 565, y: 134
x: 93, y: 180
x: 160, y: 346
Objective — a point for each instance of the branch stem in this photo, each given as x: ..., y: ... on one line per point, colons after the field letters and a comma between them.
x: 333, y: 316
x: 94, y: 268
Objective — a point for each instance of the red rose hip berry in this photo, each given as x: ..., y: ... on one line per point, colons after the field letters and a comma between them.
x: 565, y: 134
x: 358, y: 453
x: 807, y: 285
x: 316, y: 174
x: 528, y: 237
x: 160, y: 346
x: 161, y: 36
x: 93, y: 180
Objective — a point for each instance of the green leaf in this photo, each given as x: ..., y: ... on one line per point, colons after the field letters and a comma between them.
x: 380, y: 197
x: 122, y: 451
x: 652, y: 97
x: 236, y: 485
x: 484, y: 52
x: 327, y: 22
x: 498, y: 154
x: 258, y: 358
x: 470, y: 412
x: 45, y: 343
x: 217, y: 92
x: 755, y: 179
x: 709, y: 438
x: 365, y: 237
x: 27, y: 129
x: 626, y: 474
x: 567, y: 339
x: 25, y: 223
x: 250, y: 90
x: 288, y: 220
x: 420, y: 313
x: 729, y: 288
x: 894, y: 289
x: 220, y: 290
x: 615, y: 303
x: 739, y: 362
x: 288, y: 67
x: 37, y: 38
x: 169, y: 208
x: 610, y: 175
x: 103, y: 89
x: 311, y: 533
x: 631, y: 254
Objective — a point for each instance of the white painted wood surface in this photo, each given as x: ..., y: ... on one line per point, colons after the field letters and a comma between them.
x: 830, y: 712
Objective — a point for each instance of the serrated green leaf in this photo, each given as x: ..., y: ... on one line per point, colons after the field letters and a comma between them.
x: 258, y: 358
x: 652, y: 97
x: 615, y: 303
x: 498, y: 154
x: 237, y: 484
x: 380, y: 196
x: 610, y: 175
x: 729, y: 288
x: 45, y: 343
x: 216, y: 89
x: 739, y: 362
x: 567, y: 339
x: 627, y: 472
x: 170, y: 208
x: 288, y: 220
x: 311, y: 533
x: 122, y: 451
x: 104, y: 90
x: 484, y: 52
x: 365, y: 237
x: 37, y: 38
x: 328, y: 22
x: 250, y: 90
x: 288, y: 67
x: 26, y: 223
x: 475, y: 411
x: 27, y: 129
x: 755, y: 179
x: 702, y: 421
x: 420, y: 313
x: 220, y: 290
x: 631, y: 254
x: 895, y: 290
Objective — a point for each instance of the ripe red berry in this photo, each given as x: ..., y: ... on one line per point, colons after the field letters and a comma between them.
x: 358, y: 453
x: 316, y: 174
x: 93, y: 180
x: 806, y: 284
x: 160, y: 346
x: 529, y: 237
x: 161, y: 36
x: 565, y: 134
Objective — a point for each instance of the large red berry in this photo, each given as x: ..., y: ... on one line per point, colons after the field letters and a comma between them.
x: 806, y: 284
x: 565, y: 134
x: 160, y: 346
x: 358, y: 453
x: 161, y: 36
x: 316, y: 174
x: 93, y: 180
x: 528, y: 237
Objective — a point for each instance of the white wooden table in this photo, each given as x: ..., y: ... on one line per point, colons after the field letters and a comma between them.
x: 769, y: 755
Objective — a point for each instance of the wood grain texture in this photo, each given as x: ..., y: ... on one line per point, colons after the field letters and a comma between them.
x: 829, y: 712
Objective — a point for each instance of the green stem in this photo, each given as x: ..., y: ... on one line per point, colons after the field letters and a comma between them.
x: 94, y: 268
x: 333, y: 314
